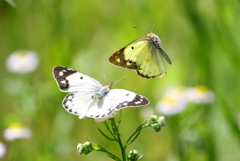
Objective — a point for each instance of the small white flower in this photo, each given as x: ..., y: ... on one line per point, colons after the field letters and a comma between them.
x: 22, y: 61
x: 170, y: 106
x: 200, y: 95
x: 173, y: 102
x: 2, y: 150
x: 17, y: 131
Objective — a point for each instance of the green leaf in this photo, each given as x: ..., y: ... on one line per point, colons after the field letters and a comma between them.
x: 109, y: 138
x: 135, y: 134
x: 130, y: 141
x: 98, y: 147
x: 119, y: 118
x: 105, y: 123
x: 114, y: 127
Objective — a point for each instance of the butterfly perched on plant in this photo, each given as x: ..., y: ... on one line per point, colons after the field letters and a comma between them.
x: 88, y: 98
x: 145, y: 55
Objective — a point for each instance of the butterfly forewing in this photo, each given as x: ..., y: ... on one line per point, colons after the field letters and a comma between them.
x: 128, y: 56
x: 69, y: 80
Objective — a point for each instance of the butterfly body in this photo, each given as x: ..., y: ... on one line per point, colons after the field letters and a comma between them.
x: 88, y: 98
x: 145, y: 55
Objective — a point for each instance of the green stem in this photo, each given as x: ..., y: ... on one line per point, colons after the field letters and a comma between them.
x: 116, y: 132
x: 122, y: 148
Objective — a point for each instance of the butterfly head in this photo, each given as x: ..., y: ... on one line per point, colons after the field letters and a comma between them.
x: 152, y: 35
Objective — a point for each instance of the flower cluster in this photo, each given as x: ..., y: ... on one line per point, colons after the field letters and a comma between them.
x: 85, y: 148
x: 175, y: 99
x: 134, y: 155
x: 156, y: 122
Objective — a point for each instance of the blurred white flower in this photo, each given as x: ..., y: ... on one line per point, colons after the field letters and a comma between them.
x: 2, y: 150
x: 171, y: 106
x: 22, y: 61
x: 200, y: 95
x: 173, y: 101
x: 16, y: 131
x: 176, y: 99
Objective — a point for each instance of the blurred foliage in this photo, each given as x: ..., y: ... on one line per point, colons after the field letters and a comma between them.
x: 200, y: 37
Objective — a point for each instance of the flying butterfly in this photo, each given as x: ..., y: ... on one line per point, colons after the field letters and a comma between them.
x: 145, y: 55
x: 88, y: 98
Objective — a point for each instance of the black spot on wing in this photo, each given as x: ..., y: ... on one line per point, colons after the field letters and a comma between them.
x: 60, y: 73
x: 137, y: 101
x: 68, y: 100
x: 118, y: 59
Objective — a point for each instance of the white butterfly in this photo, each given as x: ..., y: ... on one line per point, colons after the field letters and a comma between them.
x: 88, y: 98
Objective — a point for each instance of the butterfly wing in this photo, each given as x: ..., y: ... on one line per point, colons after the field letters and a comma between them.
x: 77, y: 103
x: 69, y: 80
x: 115, y: 100
x: 143, y: 55
x: 81, y: 86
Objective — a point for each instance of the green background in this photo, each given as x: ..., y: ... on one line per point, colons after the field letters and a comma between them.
x: 200, y: 37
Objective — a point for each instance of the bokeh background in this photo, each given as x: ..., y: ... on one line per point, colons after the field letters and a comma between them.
x: 201, y: 37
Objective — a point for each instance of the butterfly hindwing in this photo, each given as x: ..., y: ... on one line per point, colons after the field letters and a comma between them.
x: 115, y: 100
x: 77, y: 103
x: 143, y: 55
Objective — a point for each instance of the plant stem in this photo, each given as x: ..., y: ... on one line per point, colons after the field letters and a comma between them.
x: 116, y: 132
x: 122, y: 148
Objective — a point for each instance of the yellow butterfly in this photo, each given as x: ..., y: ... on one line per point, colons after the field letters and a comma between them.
x: 144, y: 55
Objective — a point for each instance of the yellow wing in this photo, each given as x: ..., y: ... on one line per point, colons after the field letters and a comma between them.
x: 143, y: 56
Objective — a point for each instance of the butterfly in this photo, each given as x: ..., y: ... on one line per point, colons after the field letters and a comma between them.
x: 145, y: 55
x: 88, y: 98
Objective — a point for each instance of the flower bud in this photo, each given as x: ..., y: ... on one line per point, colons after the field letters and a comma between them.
x: 84, y: 149
x: 153, y: 118
x: 157, y: 128
x: 134, y: 155
x: 161, y: 121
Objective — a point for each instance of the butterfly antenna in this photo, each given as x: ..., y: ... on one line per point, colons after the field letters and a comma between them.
x: 104, y: 76
x: 116, y: 82
x: 141, y: 29
x: 152, y: 27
